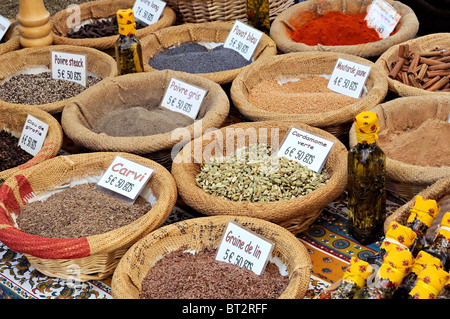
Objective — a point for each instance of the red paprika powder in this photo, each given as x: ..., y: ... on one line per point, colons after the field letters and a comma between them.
x: 336, y: 28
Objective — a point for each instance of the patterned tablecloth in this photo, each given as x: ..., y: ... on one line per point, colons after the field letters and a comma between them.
x: 326, y: 239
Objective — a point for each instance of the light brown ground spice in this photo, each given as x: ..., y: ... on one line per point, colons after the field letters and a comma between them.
x: 79, y: 211
x: 307, y: 95
x: 426, y: 145
x: 185, y: 275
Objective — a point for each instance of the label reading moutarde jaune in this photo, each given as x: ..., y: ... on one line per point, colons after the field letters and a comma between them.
x: 124, y: 178
x: 348, y: 78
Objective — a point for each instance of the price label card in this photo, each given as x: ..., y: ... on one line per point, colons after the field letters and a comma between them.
x: 148, y: 11
x: 244, y: 248
x: 69, y: 67
x: 306, y: 148
x: 4, y: 26
x: 125, y: 178
x: 348, y: 78
x: 33, y: 135
x: 243, y: 39
x: 382, y: 17
x: 183, y: 98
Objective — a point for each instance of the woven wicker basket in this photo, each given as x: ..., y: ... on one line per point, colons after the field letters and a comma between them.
x: 11, y: 39
x: 406, y: 180
x: 300, y: 13
x: 206, y: 232
x: 295, y: 214
x: 93, y: 10
x: 98, y: 63
x: 424, y: 43
x: 97, y: 255
x: 293, y: 65
x: 144, y: 88
x: 13, y: 120
x: 440, y: 192
x: 189, y: 11
x: 217, y: 32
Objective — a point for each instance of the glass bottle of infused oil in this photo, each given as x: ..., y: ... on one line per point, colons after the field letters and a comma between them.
x: 258, y: 15
x: 128, y: 48
x: 366, y: 182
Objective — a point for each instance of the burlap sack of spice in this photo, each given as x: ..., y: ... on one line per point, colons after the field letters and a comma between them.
x: 146, y: 90
x: 406, y: 114
x: 97, y: 255
x: 11, y: 39
x: 98, y: 63
x: 300, y: 13
x: 421, y: 44
x: 93, y: 10
x: 294, y: 65
x: 438, y: 191
x: 216, y: 32
x: 295, y: 214
x: 188, y: 11
x: 206, y: 232
x: 13, y: 119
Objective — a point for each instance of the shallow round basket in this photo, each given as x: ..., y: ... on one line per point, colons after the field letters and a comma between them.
x: 13, y: 119
x: 94, y: 10
x: 298, y: 14
x: 94, y: 256
x: 440, y: 192
x: 421, y: 44
x: 143, y: 88
x: 11, y: 39
x: 406, y: 180
x: 26, y: 60
x: 294, y: 65
x: 216, y: 32
x: 206, y: 232
x: 295, y: 214
x: 188, y: 11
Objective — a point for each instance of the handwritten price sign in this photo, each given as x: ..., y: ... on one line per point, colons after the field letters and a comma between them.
x: 33, y: 135
x: 69, y: 67
x: 183, y: 98
x: 382, y: 17
x: 4, y: 26
x: 305, y: 148
x: 244, y: 248
x: 243, y: 39
x: 349, y: 78
x: 148, y: 11
x: 124, y: 178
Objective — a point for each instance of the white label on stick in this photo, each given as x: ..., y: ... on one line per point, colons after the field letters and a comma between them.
x: 69, y: 67
x: 4, y: 26
x: 349, y: 78
x: 243, y: 39
x: 244, y: 248
x: 382, y: 17
x: 148, y: 11
x: 33, y: 135
x: 306, y: 148
x: 183, y: 98
x: 126, y: 178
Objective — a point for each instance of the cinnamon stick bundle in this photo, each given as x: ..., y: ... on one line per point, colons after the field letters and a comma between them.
x: 426, y: 70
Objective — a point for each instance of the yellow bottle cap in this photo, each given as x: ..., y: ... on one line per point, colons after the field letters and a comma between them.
x: 396, y: 265
x: 366, y: 127
x: 425, y: 210
x: 444, y: 228
x: 399, y: 235
x: 423, y: 258
x: 126, y: 22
